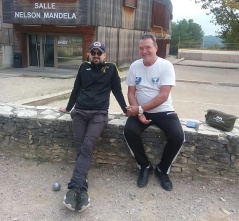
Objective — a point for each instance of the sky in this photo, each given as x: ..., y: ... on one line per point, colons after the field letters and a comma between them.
x: 189, y: 10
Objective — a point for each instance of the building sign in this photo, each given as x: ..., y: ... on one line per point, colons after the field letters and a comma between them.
x: 62, y: 42
x: 44, y: 11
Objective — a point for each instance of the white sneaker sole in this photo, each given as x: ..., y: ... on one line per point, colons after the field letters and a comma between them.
x: 71, y: 208
x: 68, y: 205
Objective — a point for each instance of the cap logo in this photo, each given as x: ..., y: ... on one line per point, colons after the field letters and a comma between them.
x: 97, y: 44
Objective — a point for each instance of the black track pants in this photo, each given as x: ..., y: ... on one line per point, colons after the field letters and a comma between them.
x: 169, y: 123
x: 87, y: 127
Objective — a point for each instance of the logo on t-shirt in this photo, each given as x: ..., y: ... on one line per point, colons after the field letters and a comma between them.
x: 155, y: 80
x: 138, y: 80
x: 104, y: 69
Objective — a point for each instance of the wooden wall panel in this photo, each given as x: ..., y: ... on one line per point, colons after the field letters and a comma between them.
x: 137, y: 36
x: 109, y: 36
x: 143, y: 15
x: 121, y: 45
x: 167, y: 18
x: 7, y: 6
x: 128, y: 18
x: 126, y: 45
x: 105, y: 13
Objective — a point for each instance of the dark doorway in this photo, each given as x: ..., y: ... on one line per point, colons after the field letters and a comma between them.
x: 48, y: 50
x: 41, y: 50
x: 34, y: 50
x: 162, y: 48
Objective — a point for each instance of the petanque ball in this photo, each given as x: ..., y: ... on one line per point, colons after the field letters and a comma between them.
x: 56, y: 186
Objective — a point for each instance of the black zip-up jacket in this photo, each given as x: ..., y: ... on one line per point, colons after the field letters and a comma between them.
x: 93, y: 85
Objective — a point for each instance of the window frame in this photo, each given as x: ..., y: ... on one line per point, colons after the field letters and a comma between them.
x: 127, y: 4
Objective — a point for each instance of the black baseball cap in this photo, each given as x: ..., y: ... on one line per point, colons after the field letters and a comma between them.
x: 97, y: 45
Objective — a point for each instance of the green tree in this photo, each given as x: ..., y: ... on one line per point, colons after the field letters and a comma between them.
x: 185, y: 33
x: 226, y: 14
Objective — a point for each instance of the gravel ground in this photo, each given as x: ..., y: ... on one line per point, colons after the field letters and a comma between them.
x: 26, y: 195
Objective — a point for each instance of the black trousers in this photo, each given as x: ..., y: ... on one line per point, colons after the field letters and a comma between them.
x: 87, y: 127
x: 169, y: 123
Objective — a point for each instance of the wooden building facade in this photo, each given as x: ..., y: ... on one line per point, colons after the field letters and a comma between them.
x: 58, y: 33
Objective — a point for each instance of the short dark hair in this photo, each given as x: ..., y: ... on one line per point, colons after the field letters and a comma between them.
x: 148, y: 35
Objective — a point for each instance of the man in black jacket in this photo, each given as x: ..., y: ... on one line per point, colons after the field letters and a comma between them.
x: 90, y: 98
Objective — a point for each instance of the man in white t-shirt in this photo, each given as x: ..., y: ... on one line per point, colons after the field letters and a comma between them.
x: 149, y: 81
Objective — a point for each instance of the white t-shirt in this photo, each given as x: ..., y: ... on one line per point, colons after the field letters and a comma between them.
x: 149, y: 79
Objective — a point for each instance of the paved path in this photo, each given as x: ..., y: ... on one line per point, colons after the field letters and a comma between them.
x: 199, y: 87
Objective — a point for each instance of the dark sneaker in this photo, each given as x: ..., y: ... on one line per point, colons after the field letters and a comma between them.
x: 70, y: 199
x: 83, y: 201
x: 164, y: 180
x: 144, y: 176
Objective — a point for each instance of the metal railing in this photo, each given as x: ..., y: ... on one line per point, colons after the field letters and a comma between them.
x: 201, y: 46
x: 6, y: 36
x: 193, y: 45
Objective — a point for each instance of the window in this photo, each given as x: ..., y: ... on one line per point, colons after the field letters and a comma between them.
x: 158, y: 17
x: 130, y: 3
x: 69, y: 51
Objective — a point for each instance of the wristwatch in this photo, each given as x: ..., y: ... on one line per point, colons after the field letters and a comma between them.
x: 141, y: 110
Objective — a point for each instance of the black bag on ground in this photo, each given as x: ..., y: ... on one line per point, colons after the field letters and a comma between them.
x: 220, y: 120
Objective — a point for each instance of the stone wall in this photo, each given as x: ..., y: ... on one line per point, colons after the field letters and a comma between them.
x: 44, y: 134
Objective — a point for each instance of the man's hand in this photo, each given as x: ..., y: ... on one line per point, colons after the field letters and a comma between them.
x: 132, y: 110
x: 126, y: 114
x: 63, y: 109
x: 143, y: 119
